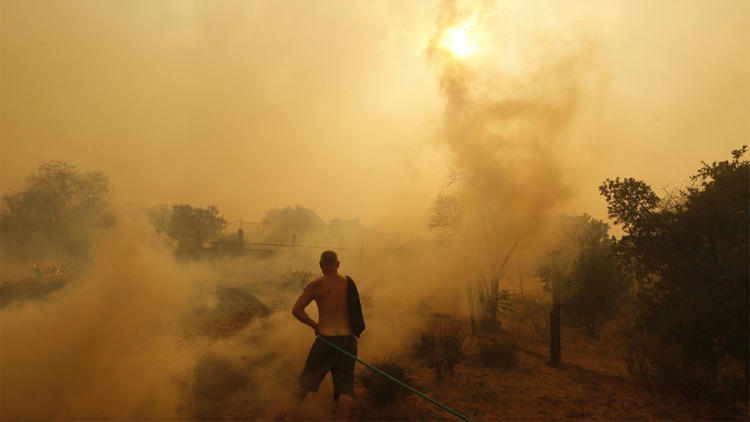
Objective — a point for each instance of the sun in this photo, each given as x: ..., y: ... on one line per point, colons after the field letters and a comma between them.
x: 458, y: 40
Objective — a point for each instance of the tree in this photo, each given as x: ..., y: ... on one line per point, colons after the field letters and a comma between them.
x: 445, y: 217
x: 159, y: 216
x: 585, y: 272
x: 689, y: 251
x: 281, y: 224
x: 56, y: 211
x: 192, y: 226
x: 490, y: 302
x: 487, y: 302
x: 345, y: 232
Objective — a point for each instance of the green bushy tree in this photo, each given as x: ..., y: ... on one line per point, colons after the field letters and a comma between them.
x: 191, y: 226
x: 585, y: 271
x: 689, y: 251
x: 56, y: 211
x: 281, y: 224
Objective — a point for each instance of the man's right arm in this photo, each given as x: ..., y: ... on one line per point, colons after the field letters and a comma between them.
x: 299, y: 307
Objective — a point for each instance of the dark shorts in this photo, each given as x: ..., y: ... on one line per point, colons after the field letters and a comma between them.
x: 323, y: 358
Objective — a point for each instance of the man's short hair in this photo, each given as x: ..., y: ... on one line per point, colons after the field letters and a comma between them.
x: 328, y: 259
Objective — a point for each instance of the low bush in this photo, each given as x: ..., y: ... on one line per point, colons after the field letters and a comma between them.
x: 441, y: 346
x: 295, y: 280
x: 537, y: 313
x: 499, y: 351
x: 667, y: 368
x: 381, y: 390
x: 30, y: 288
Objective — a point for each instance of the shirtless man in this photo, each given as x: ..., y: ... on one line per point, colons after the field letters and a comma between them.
x: 330, y: 294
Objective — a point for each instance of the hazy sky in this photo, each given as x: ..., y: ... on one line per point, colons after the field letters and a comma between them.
x: 333, y: 105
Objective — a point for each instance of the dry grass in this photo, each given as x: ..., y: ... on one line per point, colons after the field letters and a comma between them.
x: 667, y: 369
x: 500, y: 351
x: 592, y: 383
x: 441, y: 346
x: 380, y: 390
x: 214, y: 381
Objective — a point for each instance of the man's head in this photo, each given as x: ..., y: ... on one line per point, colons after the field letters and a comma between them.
x: 329, y: 262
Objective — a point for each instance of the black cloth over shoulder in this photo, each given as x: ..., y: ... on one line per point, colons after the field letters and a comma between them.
x: 356, y: 320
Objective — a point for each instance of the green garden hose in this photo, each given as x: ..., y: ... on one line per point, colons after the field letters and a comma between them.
x: 429, y: 399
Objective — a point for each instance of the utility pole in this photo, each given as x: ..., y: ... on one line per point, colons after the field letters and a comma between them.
x: 241, y: 231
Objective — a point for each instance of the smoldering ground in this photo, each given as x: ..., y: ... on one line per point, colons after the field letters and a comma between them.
x: 104, y: 346
x: 125, y: 340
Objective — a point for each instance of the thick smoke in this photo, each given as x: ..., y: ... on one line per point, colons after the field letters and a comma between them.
x: 105, y: 346
x: 125, y: 339
x: 508, y: 130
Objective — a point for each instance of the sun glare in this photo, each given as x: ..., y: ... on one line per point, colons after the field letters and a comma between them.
x: 458, y: 40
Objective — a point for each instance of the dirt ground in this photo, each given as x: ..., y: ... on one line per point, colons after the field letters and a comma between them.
x: 590, y: 384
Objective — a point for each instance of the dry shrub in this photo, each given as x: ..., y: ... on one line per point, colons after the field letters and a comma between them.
x: 381, y: 390
x: 30, y: 288
x: 537, y: 313
x: 37, y: 282
x: 658, y: 366
x: 442, y: 346
x: 667, y: 368
x: 499, y: 351
x: 234, y: 310
x: 295, y: 280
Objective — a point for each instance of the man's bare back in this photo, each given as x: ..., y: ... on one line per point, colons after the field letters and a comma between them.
x: 330, y: 294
